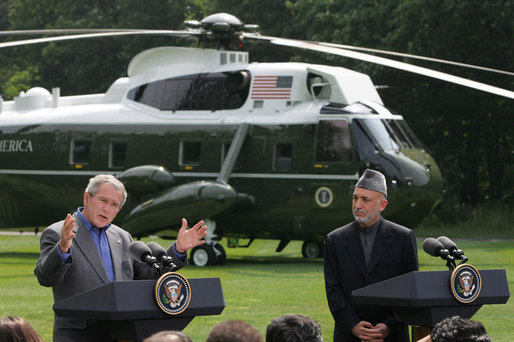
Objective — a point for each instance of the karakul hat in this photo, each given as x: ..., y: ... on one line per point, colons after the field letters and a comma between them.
x: 373, y: 180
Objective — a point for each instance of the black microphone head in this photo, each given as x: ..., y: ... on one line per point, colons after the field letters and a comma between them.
x: 432, y: 246
x: 447, y: 243
x: 452, y: 248
x: 157, y: 250
x: 139, y: 250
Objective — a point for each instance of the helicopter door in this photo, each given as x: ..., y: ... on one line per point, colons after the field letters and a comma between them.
x: 334, y: 165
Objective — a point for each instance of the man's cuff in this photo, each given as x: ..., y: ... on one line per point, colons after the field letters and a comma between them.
x: 64, y: 257
x: 179, y: 256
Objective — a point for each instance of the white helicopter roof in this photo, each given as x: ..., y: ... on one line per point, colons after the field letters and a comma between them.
x: 293, y: 101
x: 346, y: 86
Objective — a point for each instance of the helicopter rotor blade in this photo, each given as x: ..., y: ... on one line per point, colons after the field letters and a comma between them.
x: 61, y: 31
x: 386, y: 62
x: 430, y: 59
x: 101, y: 34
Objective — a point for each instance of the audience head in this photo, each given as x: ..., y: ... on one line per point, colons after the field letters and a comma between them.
x: 168, y: 336
x: 16, y: 329
x: 457, y: 329
x: 293, y: 328
x: 234, y: 331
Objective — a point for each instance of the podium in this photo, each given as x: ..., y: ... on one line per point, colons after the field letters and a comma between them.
x: 425, y: 298
x: 128, y: 310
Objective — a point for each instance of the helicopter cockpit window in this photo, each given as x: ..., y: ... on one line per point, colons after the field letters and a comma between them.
x: 395, y: 130
x: 207, y: 91
x: 333, y: 141
x: 283, y: 156
x: 80, y: 152
x: 410, y: 135
x: 377, y: 128
x: 365, y: 146
x: 190, y: 152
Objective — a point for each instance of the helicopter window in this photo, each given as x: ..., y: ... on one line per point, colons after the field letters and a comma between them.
x: 413, y: 139
x: 209, y: 91
x: 80, y: 152
x: 381, y: 135
x: 333, y: 141
x: 117, y: 155
x: 190, y: 153
x: 283, y: 156
x: 365, y: 146
x: 395, y: 130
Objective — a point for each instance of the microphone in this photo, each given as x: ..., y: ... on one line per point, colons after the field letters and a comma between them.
x: 452, y: 248
x: 435, y: 248
x: 160, y: 255
x: 142, y: 252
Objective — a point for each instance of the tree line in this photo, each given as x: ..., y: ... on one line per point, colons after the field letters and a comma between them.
x: 469, y: 133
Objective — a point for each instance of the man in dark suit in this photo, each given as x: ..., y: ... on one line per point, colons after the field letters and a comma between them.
x: 366, y: 251
x: 85, y: 251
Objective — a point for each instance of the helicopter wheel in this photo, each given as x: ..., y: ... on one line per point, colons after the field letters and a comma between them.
x: 202, y: 255
x: 221, y: 256
x: 312, y: 249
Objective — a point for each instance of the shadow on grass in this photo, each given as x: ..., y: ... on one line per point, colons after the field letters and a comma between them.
x: 19, y: 255
x: 271, y: 260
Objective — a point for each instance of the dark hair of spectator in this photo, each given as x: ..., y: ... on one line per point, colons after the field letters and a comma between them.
x: 16, y: 329
x: 457, y: 329
x: 293, y: 328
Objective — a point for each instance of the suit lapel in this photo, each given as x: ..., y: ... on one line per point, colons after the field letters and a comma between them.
x: 354, y: 247
x: 380, y: 246
x: 116, y: 251
x: 85, y: 243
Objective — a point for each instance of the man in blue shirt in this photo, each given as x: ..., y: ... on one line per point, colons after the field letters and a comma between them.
x: 86, y: 251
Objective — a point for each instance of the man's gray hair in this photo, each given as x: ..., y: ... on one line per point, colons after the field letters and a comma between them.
x: 96, y: 181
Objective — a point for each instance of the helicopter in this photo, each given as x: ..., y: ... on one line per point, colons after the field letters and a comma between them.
x: 257, y: 150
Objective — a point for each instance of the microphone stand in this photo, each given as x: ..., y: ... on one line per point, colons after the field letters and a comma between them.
x: 450, y: 263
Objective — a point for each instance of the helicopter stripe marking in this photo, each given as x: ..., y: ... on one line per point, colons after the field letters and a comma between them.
x: 183, y: 174
x: 272, y: 88
x: 268, y: 175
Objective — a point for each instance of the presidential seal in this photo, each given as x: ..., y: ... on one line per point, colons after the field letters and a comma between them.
x: 465, y: 283
x: 323, y: 196
x: 173, y: 293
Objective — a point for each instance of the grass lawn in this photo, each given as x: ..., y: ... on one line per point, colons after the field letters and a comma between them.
x: 258, y: 285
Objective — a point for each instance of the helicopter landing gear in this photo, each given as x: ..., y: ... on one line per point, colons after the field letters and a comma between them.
x: 208, y: 255
x: 221, y: 256
x: 211, y: 252
x: 202, y: 255
x: 312, y: 249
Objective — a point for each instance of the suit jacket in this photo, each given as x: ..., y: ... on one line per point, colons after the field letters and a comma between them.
x: 394, y: 253
x: 84, y: 270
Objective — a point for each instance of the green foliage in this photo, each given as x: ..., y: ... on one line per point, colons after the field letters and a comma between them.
x: 19, y: 80
x: 491, y: 220
x: 258, y: 285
